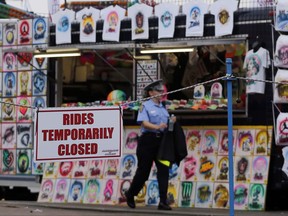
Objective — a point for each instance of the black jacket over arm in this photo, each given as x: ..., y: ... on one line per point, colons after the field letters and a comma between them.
x: 173, y: 145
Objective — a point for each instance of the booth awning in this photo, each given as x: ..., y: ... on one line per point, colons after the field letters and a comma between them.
x: 9, y: 12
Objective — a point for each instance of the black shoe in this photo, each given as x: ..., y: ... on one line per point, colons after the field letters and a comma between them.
x: 164, y: 206
x: 130, y: 200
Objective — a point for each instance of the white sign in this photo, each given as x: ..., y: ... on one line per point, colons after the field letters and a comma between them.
x: 78, y: 133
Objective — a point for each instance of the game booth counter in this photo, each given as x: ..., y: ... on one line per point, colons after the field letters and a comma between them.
x: 112, y: 72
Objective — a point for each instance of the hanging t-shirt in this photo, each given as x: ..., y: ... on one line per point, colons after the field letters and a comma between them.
x: 281, y: 90
x: 223, y: 10
x: 285, y: 158
x: 255, y: 64
x: 166, y: 13
x: 139, y: 14
x: 282, y: 129
x: 63, y: 19
x: 281, y: 52
x: 195, y: 11
x: 112, y: 17
x: 281, y: 22
x: 88, y: 18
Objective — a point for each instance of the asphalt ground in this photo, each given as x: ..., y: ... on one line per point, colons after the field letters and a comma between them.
x: 24, y: 208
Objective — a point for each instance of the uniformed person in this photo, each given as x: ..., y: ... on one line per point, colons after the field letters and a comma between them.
x: 153, y: 118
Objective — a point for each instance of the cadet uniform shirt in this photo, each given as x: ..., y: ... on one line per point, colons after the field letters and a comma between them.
x: 166, y: 13
x: 224, y: 16
x: 112, y: 17
x: 195, y: 11
x: 139, y: 14
x: 63, y: 20
x: 255, y: 64
x: 88, y: 18
x: 152, y: 113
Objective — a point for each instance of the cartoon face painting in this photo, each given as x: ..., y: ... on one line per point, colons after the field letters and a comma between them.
x: 166, y: 19
x: 194, y: 17
x: 88, y: 24
x: 112, y: 20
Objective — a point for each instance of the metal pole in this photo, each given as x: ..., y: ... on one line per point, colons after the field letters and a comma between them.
x: 230, y: 135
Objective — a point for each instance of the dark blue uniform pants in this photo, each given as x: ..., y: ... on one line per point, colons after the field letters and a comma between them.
x: 147, y: 150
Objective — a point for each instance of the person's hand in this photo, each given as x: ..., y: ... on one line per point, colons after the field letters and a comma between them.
x: 173, y: 118
x: 162, y: 126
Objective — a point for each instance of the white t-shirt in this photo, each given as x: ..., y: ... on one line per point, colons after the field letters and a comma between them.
x: 195, y: 11
x: 281, y: 52
x: 255, y: 64
x: 282, y: 129
x: 166, y: 13
x: 281, y: 90
x: 139, y: 14
x: 88, y: 18
x: 112, y: 17
x: 224, y: 16
x: 63, y: 20
x: 281, y: 22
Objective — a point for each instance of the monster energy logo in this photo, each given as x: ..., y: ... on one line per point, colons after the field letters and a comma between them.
x: 186, y: 193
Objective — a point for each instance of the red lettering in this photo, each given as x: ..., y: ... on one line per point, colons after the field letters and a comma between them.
x: 90, y: 118
x: 73, y: 149
x: 81, y: 149
x: 61, y: 151
x: 94, y: 148
x: 58, y: 134
x: 78, y: 149
x: 50, y: 135
x: 66, y: 134
x: 65, y: 119
x: 87, y: 149
x: 77, y: 119
x: 44, y: 135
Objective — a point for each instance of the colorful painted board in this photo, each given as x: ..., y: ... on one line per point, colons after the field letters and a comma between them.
x: 61, y: 191
x: 245, y: 142
x: 186, y: 196
x: 76, y: 191
x: 95, y: 169
x: 128, y: 166
x: 46, y: 190
x: 65, y: 169
x: 221, y: 196
x: 209, y: 143
x: 92, y: 191
x: 204, y: 193
x: 131, y: 141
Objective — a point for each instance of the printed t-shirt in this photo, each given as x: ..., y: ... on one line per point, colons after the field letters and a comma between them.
x: 88, y: 18
x: 223, y: 11
x: 63, y: 19
x: 139, y: 14
x: 195, y: 11
x: 112, y: 17
x: 166, y: 13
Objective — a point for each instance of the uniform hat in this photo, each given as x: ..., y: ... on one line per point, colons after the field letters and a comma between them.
x: 156, y: 85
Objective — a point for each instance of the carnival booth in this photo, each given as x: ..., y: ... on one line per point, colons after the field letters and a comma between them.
x: 120, y: 48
